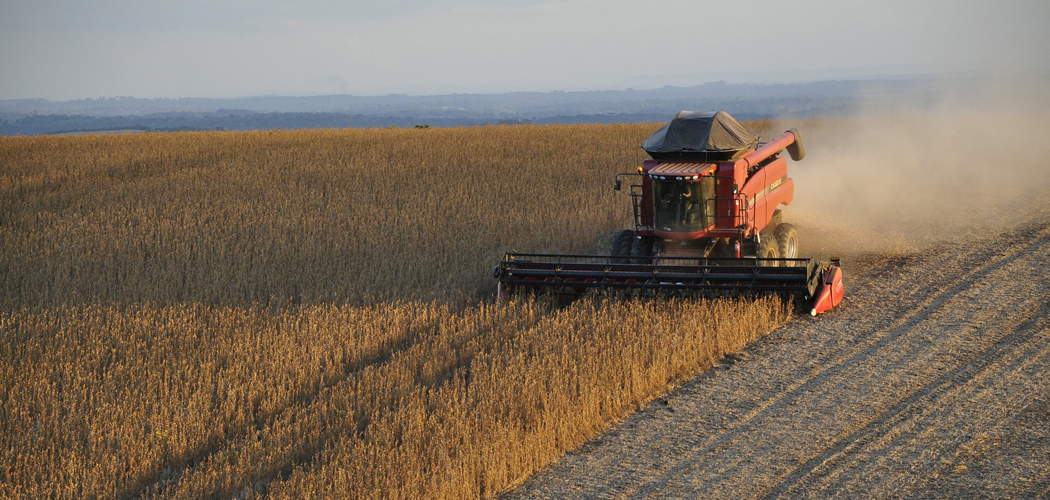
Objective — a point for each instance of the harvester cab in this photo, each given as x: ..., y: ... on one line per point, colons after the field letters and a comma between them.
x: 706, y: 218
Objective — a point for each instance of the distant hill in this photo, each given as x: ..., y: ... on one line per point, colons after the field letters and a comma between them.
x: 744, y: 101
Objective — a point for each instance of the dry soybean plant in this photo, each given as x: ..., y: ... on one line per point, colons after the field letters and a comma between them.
x: 297, y: 314
x: 298, y: 216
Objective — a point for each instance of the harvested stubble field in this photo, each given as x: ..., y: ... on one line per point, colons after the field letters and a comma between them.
x: 931, y: 380
x: 307, y: 314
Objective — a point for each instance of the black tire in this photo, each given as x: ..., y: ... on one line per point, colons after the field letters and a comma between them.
x: 787, y: 241
x: 621, y: 246
x: 768, y: 249
x: 642, y: 250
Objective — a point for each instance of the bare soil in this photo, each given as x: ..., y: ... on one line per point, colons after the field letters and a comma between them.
x: 931, y: 380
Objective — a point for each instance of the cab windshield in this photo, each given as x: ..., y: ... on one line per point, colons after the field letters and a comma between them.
x: 684, y: 206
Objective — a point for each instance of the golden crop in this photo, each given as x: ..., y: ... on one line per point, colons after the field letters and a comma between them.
x: 335, y: 215
x: 307, y: 313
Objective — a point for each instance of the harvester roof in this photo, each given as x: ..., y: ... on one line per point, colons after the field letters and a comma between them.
x: 700, y: 135
x: 678, y: 170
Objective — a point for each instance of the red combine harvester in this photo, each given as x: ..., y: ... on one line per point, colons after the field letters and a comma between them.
x: 706, y: 219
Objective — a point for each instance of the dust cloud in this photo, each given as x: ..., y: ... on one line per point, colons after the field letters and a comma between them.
x: 912, y: 172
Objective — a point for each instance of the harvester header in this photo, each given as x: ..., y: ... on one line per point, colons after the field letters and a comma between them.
x: 706, y: 218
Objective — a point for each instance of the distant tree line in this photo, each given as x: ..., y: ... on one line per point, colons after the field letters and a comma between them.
x: 168, y: 122
x: 232, y: 119
x: 57, y: 124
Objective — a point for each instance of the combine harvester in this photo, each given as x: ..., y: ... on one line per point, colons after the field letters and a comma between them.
x: 706, y: 219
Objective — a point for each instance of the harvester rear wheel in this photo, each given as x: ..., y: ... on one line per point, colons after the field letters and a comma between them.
x: 768, y: 249
x: 621, y: 246
x: 787, y: 241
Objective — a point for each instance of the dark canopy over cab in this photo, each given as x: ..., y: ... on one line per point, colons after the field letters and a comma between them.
x: 700, y: 135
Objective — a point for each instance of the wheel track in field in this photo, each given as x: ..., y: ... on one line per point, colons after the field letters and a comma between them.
x: 1026, y: 348
x: 937, y: 290
x: 1023, y: 349
x: 912, y: 408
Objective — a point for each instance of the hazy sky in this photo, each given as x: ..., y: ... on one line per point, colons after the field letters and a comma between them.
x: 68, y: 49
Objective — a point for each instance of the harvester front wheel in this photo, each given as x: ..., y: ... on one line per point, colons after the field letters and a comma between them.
x: 787, y: 241
x: 642, y: 250
x: 621, y: 246
x: 768, y: 249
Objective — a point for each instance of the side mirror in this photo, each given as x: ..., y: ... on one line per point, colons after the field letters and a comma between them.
x: 617, y: 186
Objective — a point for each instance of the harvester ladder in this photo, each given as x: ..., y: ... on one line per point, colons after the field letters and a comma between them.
x: 636, y: 205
